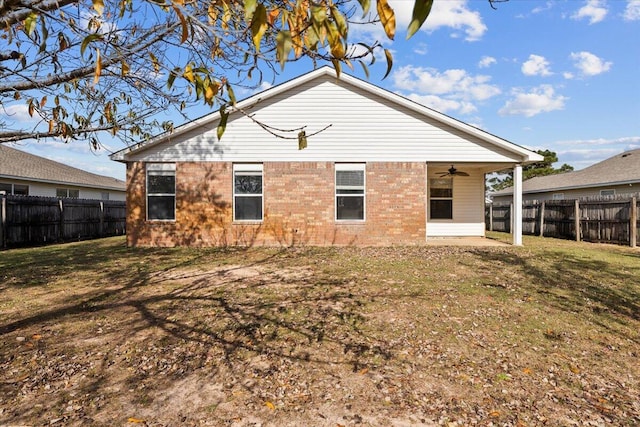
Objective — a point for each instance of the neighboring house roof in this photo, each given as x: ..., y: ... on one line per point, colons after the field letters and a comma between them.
x: 19, y: 165
x: 621, y: 169
x: 522, y: 154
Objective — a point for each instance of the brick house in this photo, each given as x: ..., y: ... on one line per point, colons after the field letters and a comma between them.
x: 376, y: 172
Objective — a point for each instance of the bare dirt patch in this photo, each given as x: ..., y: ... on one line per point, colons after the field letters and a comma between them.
x: 544, y: 335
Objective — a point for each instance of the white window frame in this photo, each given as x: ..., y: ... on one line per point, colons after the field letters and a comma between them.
x: 67, y: 193
x: 13, y: 188
x: 431, y: 180
x: 248, y: 169
x: 351, y: 167
x: 167, y: 169
x: 608, y: 192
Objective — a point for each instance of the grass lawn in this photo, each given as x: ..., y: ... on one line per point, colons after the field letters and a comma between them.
x: 94, y: 333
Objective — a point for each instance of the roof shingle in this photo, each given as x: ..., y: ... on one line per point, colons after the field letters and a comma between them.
x: 620, y: 169
x: 18, y: 164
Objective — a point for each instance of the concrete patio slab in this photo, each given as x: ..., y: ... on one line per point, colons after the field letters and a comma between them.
x: 464, y: 241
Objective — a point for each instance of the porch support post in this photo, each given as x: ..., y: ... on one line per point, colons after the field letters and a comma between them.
x: 516, y: 229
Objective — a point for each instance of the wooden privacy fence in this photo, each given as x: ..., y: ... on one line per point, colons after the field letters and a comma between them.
x: 30, y: 220
x: 603, y: 220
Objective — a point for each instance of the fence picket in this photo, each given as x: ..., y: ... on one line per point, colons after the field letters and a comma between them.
x: 31, y: 220
x: 602, y: 220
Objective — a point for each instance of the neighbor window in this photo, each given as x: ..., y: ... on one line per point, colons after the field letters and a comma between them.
x: 350, y: 194
x: 161, y: 191
x: 558, y: 196
x: 611, y: 192
x: 67, y: 192
x: 247, y: 192
x: 104, y: 195
x: 441, y: 198
x: 20, y: 189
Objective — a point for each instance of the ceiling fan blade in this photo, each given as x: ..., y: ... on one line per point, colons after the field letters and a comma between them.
x: 462, y: 173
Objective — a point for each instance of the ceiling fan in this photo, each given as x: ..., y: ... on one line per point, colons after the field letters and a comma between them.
x: 453, y: 172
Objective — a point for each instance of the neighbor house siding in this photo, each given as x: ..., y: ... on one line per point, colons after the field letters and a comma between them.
x: 299, y: 207
x: 42, y: 189
x: 360, y: 126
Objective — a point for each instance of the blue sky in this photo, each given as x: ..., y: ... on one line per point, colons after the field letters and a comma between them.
x: 562, y: 75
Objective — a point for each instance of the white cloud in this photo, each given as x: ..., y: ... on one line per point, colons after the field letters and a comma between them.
x: 18, y: 113
x: 443, y: 105
x: 594, y: 10
x: 568, y: 75
x: 541, y: 99
x: 632, y: 11
x: 630, y: 141
x: 486, y: 61
x: 539, y: 9
x: 453, y: 14
x: 450, y: 90
x: 536, y: 65
x: 589, y: 64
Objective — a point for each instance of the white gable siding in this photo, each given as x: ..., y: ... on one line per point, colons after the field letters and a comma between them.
x: 364, y: 127
x: 468, y: 208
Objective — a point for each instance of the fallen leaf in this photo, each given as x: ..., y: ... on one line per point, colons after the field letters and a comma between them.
x: 36, y: 337
x: 270, y: 405
x: 363, y: 371
x: 527, y: 371
x: 135, y: 420
x: 494, y: 414
x: 574, y: 369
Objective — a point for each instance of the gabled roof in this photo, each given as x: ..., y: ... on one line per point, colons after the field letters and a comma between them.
x: 527, y: 156
x: 19, y: 165
x: 620, y: 169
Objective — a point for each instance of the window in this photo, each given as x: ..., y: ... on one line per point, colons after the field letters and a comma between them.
x: 20, y: 189
x: 161, y: 192
x: 350, y: 182
x: 104, y: 195
x: 247, y: 192
x: 558, y: 196
x: 611, y: 192
x: 441, y: 198
x: 67, y: 192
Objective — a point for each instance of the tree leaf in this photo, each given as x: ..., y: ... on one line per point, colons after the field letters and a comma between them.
x: 421, y: 9
x: 387, y: 18
x: 124, y: 69
x: 365, y: 5
x: 232, y: 95
x: 364, y: 68
x: 222, y: 126
x: 249, y: 9
x: 188, y: 73
x: 98, y: 5
x: 183, y: 24
x: 341, y: 22
x: 85, y: 42
x: 283, y: 46
x: 30, y: 23
x: 302, y: 144
x: 98, y: 70
x: 389, y: 57
x: 259, y: 25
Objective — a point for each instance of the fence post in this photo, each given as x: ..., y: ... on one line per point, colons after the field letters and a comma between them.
x: 633, y: 222
x: 577, y: 219
x: 491, y: 217
x: 542, y: 205
x: 61, y: 232
x: 101, y: 226
x: 3, y: 220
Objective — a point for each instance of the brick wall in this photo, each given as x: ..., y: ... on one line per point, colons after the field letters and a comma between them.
x: 299, y: 207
